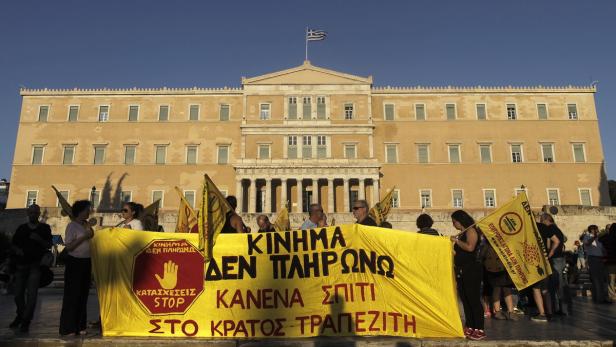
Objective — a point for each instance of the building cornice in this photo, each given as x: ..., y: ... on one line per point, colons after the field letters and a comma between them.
x: 132, y: 91
x: 483, y: 89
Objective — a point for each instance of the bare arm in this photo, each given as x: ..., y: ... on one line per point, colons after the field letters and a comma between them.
x: 554, y: 242
x: 471, y: 240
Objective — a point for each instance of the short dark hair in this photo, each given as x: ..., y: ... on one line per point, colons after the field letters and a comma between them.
x: 312, y: 207
x: 593, y: 226
x: 232, y: 200
x: 80, y: 206
x: 463, y: 218
x: 424, y: 221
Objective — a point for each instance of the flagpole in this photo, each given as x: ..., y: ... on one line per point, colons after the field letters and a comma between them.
x: 306, y: 37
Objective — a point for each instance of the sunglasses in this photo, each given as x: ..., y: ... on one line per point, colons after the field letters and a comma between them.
x: 124, y: 210
x: 357, y: 207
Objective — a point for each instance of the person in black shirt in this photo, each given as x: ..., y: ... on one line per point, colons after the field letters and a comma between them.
x: 30, y: 242
x: 360, y: 212
x: 424, y: 224
x: 556, y: 283
x: 233, y: 221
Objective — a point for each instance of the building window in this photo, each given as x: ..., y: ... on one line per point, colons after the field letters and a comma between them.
x: 292, y: 147
x: 95, y: 197
x: 391, y: 154
x: 553, y: 196
x: 348, y: 111
x: 68, y: 154
x: 306, y: 147
x: 133, y: 113
x: 307, y: 108
x: 223, y: 155
x: 64, y: 194
x: 572, y: 111
x: 129, y: 154
x: 585, y: 197
x: 191, y: 155
x: 485, y: 152
x: 31, y: 197
x: 547, y: 149
x: 73, y: 113
x: 423, y: 153
x: 265, y: 112
x: 321, y: 146
x: 578, y: 153
x: 350, y: 152
x: 321, y: 107
x: 489, y: 198
x: 454, y: 154
x: 511, y: 112
x: 389, y: 111
x: 542, y: 111
x: 420, y: 112
x: 457, y: 198
x: 103, y: 113
x: 516, y: 153
x: 425, y: 198
x: 395, y: 199
x: 193, y: 113
x: 224, y: 113
x: 292, y: 108
x: 43, y: 113
x: 99, y: 154
x: 264, y: 151
x: 160, y: 154
x: 158, y: 195
x: 37, y: 155
x: 189, y: 195
x: 126, y: 196
x: 481, y: 111
x: 450, y: 110
x: 163, y: 113
x: 519, y: 191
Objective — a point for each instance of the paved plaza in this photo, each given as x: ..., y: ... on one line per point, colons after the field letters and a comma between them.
x: 590, y: 325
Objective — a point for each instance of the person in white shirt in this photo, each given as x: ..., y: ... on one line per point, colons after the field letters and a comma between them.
x: 130, y: 213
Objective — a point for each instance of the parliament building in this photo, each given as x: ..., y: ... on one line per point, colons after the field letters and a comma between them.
x: 310, y: 134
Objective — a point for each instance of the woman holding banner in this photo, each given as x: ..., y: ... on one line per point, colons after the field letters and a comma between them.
x: 130, y: 213
x: 468, y: 271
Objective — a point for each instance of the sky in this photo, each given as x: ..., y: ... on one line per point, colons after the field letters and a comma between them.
x: 125, y: 44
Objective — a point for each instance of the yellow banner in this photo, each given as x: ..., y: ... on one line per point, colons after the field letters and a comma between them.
x: 337, y: 281
x: 187, y: 218
x: 282, y: 222
x: 513, y: 233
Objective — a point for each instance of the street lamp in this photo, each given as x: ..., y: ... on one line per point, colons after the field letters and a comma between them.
x: 92, y: 192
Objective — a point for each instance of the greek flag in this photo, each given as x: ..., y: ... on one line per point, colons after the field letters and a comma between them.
x: 315, y: 35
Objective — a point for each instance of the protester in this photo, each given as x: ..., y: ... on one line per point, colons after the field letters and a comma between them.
x: 468, y: 273
x: 360, y: 212
x: 424, y: 224
x: 130, y: 213
x: 609, y: 244
x: 265, y: 226
x: 557, y: 261
x: 233, y: 222
x: 598, y: 275
x: 541, y: 295
x: 578, y: 250
x: 500, y: 282
x: 77, y: 273
x: 315, y: 215
x: 30, y: 242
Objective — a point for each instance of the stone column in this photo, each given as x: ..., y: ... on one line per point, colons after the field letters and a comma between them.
x: 252, y: 196
x: 362, y: 189
x: 330, y: 195
x: 268, y: 195
x: 375, y: 191
x: 283, y: 194
x: 239, y: 194
x: 315, y: 191
x: 300, y: 195
x: 347, y: 206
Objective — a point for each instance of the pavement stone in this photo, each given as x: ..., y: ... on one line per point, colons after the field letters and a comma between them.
x: 590, y: 325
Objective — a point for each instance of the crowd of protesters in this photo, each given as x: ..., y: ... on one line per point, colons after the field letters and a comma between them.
x: 483, y: 283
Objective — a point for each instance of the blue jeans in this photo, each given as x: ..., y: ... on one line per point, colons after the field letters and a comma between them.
x: 557, y: 283
x: 27, y: 279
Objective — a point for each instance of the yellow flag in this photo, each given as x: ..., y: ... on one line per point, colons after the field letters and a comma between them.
x: 513, y: 233
x: 187, y: 218
x: 212, y: 216
x: 149, y: 216
x: 381, y: 209
x: 66, y: 207
x: 282, y: 221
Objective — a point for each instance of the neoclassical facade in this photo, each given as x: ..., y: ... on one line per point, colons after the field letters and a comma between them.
x: 309, y: 134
